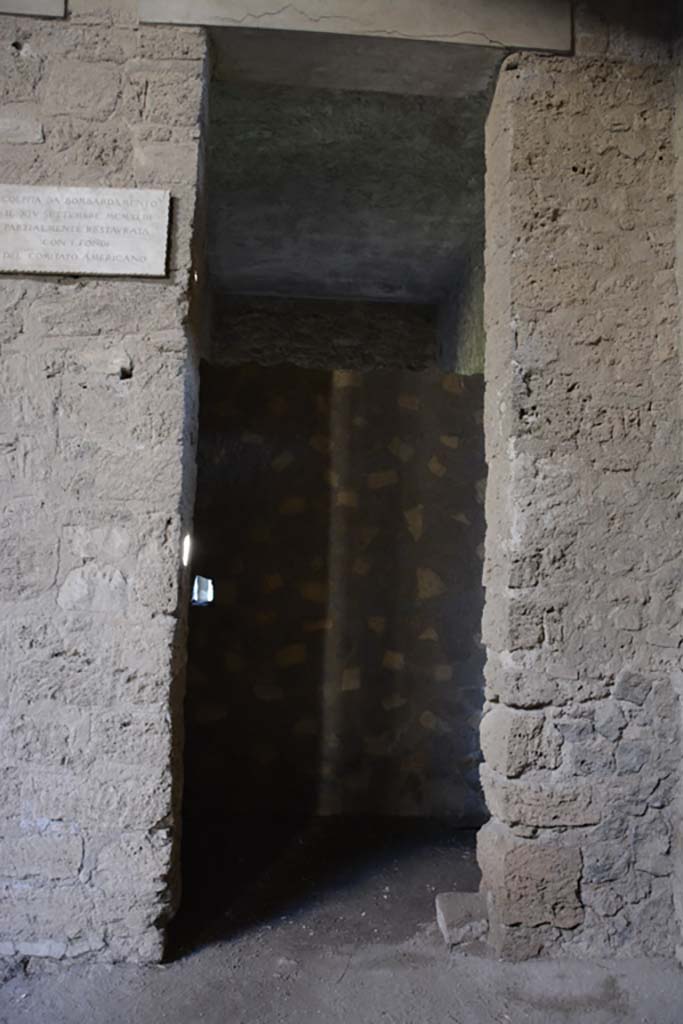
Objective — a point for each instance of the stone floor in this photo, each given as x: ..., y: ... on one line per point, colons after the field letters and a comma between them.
x: 335, y: 925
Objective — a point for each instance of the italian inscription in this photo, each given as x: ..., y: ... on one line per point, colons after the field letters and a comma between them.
x: 44, y: 8
x: 102, y: 231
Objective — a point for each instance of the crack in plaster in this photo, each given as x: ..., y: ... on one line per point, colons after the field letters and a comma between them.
x: 250, y: 16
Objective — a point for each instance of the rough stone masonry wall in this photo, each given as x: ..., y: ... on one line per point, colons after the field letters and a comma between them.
x: 98, y: 384
x: 583, y: 608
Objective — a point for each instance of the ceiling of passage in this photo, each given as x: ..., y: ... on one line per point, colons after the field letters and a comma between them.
x: 344, y: 167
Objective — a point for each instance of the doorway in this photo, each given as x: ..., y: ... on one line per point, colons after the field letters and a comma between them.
x: 335, y: 681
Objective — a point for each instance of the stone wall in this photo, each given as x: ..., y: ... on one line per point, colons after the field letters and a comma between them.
x: 340, y: 669
x: 98, y: 380
x: 678, y: 191
x: 583, y: 609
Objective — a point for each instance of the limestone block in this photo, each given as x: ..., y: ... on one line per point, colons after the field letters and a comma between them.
x: 86, y: 941
x: 170, y: 43
x: 530, y: 882
x: 632, y: 755
x: 20, y: 123
x: 29, y: 411
x: 592, y: 757
x: 554, y: 804
x: 529, y: 679
x: 525, y: 624
x: 168, y: 97
x: 88, y: 310
x: 461, y: 917
x: 165, y: 163
x: 602, y: 899
x: 47, y: 734
x: 609, y: 720
x: 92, y: 588
x: 524, y: 569
x: 130, y: 735
x: 109, y: 542
x: 10, y: 792
x: 156, y: 577
x: 631, y: 686
x: 664, y: 704
x: 574, y: 723
x: 62, y: 658
x: 605, y: 861
x: 115, y: 476
x: 20, y: 76
x: 46, y: 855
x: 630, y: 794
x: 133, y: 910
x: 92, y: 42
x: 137, y: 413
x: 11, y: 294
x: 514, y: 741
x: 81, y: 89
x: 104, y: 798
x: 653, y: 922
x: 144, y: 945
x: 30, y: 549
x: 652, y: 843
x: 50, y: 914
x: 134, y: 863
x: 54, y: 948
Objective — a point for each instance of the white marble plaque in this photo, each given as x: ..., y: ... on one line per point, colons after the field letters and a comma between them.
x: 104, y: 231
x: 44, y: 8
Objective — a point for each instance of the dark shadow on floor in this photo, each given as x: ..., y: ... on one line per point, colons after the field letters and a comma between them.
x: 335, y: 880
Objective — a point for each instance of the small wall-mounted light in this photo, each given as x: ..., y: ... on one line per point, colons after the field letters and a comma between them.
x: 187, y: 546
x: 202, y: 591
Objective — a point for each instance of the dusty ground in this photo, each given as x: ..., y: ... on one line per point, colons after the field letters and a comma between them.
x: 338, y: 928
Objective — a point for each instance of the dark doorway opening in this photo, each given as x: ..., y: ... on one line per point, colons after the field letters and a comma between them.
x: 335, y: 682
